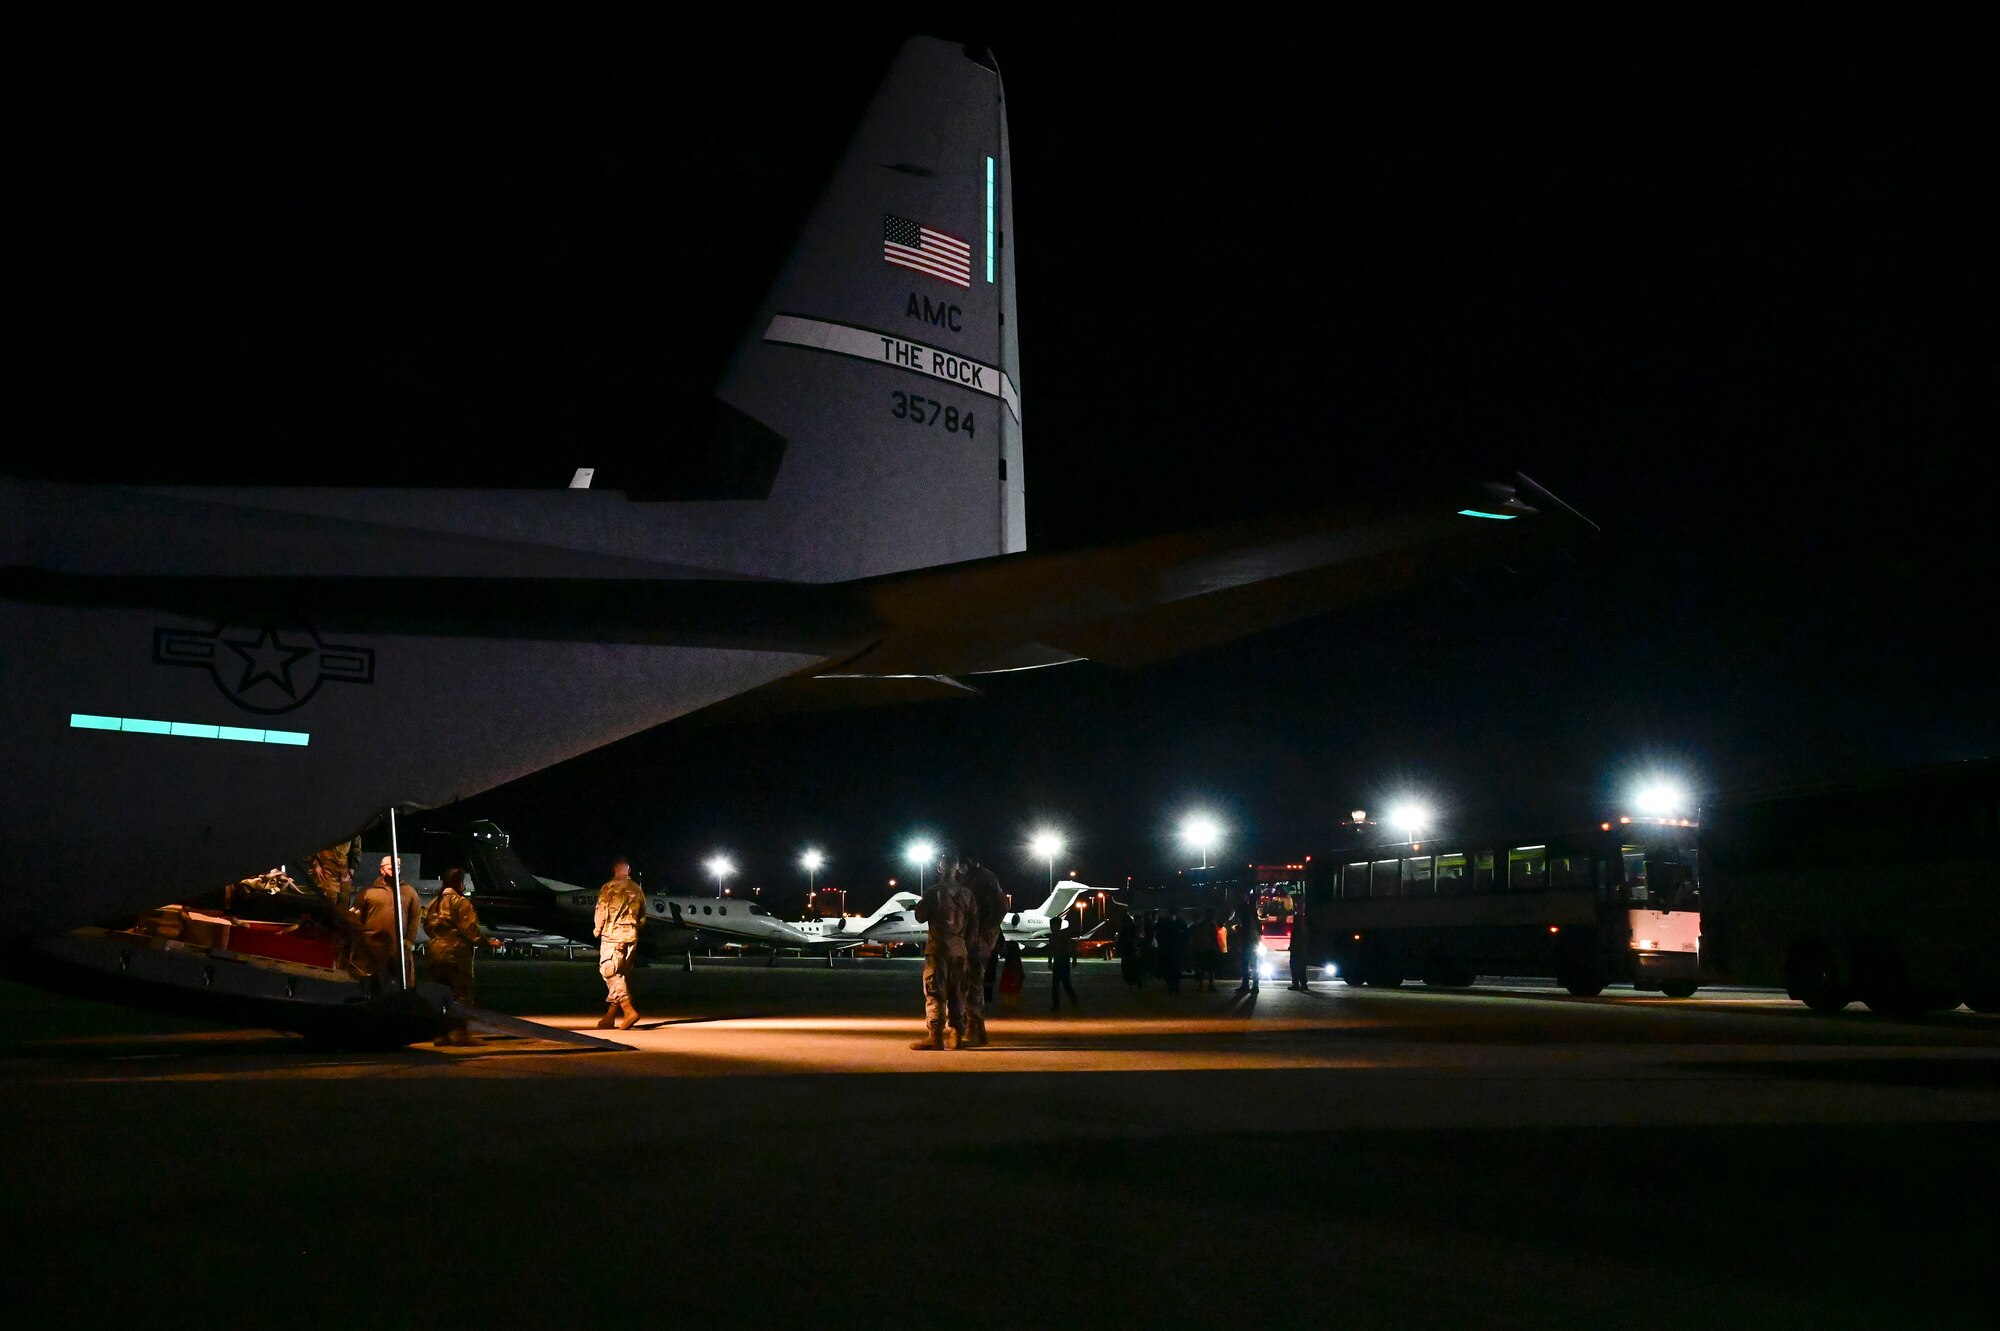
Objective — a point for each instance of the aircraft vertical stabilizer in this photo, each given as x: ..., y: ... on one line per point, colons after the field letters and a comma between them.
x: 905, y: 263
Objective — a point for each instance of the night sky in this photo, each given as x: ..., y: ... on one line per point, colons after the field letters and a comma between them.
x: 1724, y: 287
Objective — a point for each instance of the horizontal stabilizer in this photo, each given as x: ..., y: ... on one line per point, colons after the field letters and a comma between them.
x: 906, y: 636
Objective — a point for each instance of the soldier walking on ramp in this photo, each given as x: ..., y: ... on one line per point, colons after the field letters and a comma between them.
x: 989, y: 904
x: 947, y: 909
x: 621, y: 911
x: 452, y: 925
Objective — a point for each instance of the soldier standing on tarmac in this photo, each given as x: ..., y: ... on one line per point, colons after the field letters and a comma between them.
x: 989, y: 904
x: 947, y: 909
x: 452, y: 925
x: 621, y: 911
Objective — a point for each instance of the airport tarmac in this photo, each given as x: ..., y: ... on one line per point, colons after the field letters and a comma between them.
x: 769, y: 1150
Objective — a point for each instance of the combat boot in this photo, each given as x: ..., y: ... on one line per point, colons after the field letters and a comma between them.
x: 933, y: 1039
x: 610, y: 1015
x: 952, y: 1039
x: 631, y: 1017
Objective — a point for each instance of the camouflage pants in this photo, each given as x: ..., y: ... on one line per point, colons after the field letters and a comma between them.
x: 944, y: 992
x: 454, y: 972
x: 614, y: 963
x: 975, y: 993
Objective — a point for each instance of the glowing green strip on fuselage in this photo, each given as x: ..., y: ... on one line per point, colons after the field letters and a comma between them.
x: 132, y: 725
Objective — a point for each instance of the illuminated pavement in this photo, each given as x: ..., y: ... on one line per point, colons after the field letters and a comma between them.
x: 771, y: 1150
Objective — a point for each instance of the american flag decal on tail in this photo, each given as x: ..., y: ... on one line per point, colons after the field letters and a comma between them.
x: 911, y: 245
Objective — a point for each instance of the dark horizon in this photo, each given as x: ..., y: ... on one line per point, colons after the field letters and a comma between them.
x: 1720, y: 288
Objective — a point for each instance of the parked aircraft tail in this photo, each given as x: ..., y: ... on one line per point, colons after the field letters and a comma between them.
x: 906, y: 262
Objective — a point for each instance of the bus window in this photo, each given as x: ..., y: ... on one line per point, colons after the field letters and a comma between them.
x: 1671, y: 885
x: 1417, y: 876
x: 1451, y: 875
x: 1355, y: 883
x: 1570, y: 872
x: 1635, y: 874
x: 1386, y: 873
x: 1527, y: 869
x: 1482, y: 874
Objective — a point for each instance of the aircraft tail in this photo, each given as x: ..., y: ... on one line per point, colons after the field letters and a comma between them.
x: 898, y: 902
x: 1064, y: 897
x: 883, y: 361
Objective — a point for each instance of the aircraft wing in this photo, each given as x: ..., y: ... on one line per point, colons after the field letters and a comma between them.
x: 1125, y: 605
x: 1154, y: 599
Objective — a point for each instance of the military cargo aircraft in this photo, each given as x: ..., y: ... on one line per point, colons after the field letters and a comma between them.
x: 199, y: 679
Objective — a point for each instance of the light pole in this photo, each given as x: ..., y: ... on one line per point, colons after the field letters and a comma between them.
x: 720, y: 867
x: 1047, y: 844
x: 812, y: 862
x: 921, y: 853
x: 1200, y: 832
x: 1359, y: 817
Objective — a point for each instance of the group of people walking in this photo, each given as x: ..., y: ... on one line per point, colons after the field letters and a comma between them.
x: 1170, y: 946
x: 368, y: 927
x: 965, y: 955
x: 962, y: 915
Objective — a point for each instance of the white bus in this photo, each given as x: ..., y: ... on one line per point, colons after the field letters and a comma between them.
x: 1615, y: 902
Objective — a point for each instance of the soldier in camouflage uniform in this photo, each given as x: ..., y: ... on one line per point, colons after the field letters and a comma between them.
x: 989, y: 905
x: 333, y: 874
x: 374, y: 913
x: 621, y: 912
x: 947, y: 909
x: 455, y: 936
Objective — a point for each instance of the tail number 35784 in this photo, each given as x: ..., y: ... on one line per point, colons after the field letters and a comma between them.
x: 923, y: 411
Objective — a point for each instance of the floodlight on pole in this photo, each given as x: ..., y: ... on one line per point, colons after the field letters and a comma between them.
x: 1660, y: 797
x: 1411, y: 817
x: 922, y: 853
x: 1047, y: 844
x: 812, y: 862
x: 1200, y: 832
x: 720, y: 867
